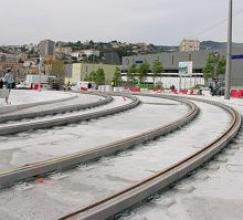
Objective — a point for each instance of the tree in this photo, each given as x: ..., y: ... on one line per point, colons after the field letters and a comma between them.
x: 157, y: 68
x: 91, y: 43
x: 100, y: 77
x: 57, y: 69
x: 143, y: 70
x: 215, y: 66
x: 91, y: 77
x: 130, y: 75
x: 124, y: 51
x: 74, y: 45
x: 130, y: 79
x: 92, y: 59
x: 221, y: 66
x: 132, y: 68
x: 117, y: 77
x: 97, y: 77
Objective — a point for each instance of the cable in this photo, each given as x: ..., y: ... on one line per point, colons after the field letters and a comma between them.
x: 212, y: 27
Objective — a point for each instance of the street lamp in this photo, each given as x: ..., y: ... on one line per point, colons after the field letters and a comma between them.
x: 229, y: 54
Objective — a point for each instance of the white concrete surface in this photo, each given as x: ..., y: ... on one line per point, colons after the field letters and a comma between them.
x: 18, y: 97
x: 213, y: 192
x: 81, y: 99
x: 59, y: 194
x: 45, y: 144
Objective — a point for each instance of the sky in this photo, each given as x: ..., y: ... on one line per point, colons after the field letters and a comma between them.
x: 162, y: 22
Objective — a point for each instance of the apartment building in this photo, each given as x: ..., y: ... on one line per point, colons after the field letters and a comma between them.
x: 189, y: 45
x: 46, y: 48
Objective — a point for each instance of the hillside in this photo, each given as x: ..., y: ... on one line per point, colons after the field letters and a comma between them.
x: 213, y: 45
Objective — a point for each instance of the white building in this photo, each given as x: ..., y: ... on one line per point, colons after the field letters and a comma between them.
x: 189, y: 45
x: 78, y: 55
x: 91, y: 52
x: 46, y: 48
x: 64, y: 50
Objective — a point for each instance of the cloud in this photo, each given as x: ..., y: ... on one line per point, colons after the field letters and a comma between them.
x: 157, y: 21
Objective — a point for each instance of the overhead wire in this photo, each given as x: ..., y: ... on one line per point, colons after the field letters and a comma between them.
x: 214, y: 26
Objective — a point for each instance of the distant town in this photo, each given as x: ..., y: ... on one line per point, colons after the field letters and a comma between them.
x: 75, y: 61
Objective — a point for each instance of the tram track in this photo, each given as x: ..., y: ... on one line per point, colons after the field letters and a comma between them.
x: 67, y: 119
x: 66, y: 162
x: 30, y: 114
x: 14, y: 108
x: 110, y: 206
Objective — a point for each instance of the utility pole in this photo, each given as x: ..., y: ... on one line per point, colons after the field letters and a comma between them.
x: 40, y: 66
x: 229, y: 54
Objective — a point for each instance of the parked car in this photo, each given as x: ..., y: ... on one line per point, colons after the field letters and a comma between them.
x: 217, y: 88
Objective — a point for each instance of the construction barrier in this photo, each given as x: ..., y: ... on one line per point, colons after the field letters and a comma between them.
x: 134, y: 89
x: 184, y: 91
x: 236, y: 93
x: 174, y: 91
x: 83, y: 89
x: 36, y: 86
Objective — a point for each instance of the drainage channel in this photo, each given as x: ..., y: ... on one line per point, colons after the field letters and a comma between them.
x: 133, y: 186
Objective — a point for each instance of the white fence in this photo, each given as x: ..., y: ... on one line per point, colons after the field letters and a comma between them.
x: 167, y: 81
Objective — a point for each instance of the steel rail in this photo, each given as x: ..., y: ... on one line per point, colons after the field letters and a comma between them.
x: 47, y: 123
x: 110, y: 206
x: 42, y: 168
x: 73, y: 107
x: 13, y: 108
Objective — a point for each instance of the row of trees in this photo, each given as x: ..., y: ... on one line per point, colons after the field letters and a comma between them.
x: 98, y: 77
x: 117, y: 80
x: 215, y: 66
x: 156, y: 68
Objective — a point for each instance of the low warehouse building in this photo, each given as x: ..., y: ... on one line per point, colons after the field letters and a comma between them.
x: 170, y: 62
x: 80, y: 71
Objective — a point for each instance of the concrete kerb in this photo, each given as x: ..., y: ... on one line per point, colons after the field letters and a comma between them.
x: 107, y: 99
x: 12, y: 108
x: 67, y: 162
x: 137, y: 193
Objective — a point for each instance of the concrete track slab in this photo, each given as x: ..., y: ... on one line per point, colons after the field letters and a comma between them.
x: 86, y: 184
x: 21, y: 99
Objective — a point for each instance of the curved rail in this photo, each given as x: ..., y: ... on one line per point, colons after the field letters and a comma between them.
x: 76, y: 107
x: 15, y: 128
x: 114, y: 204
x: 13, y: 108
x: 66, y: 162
